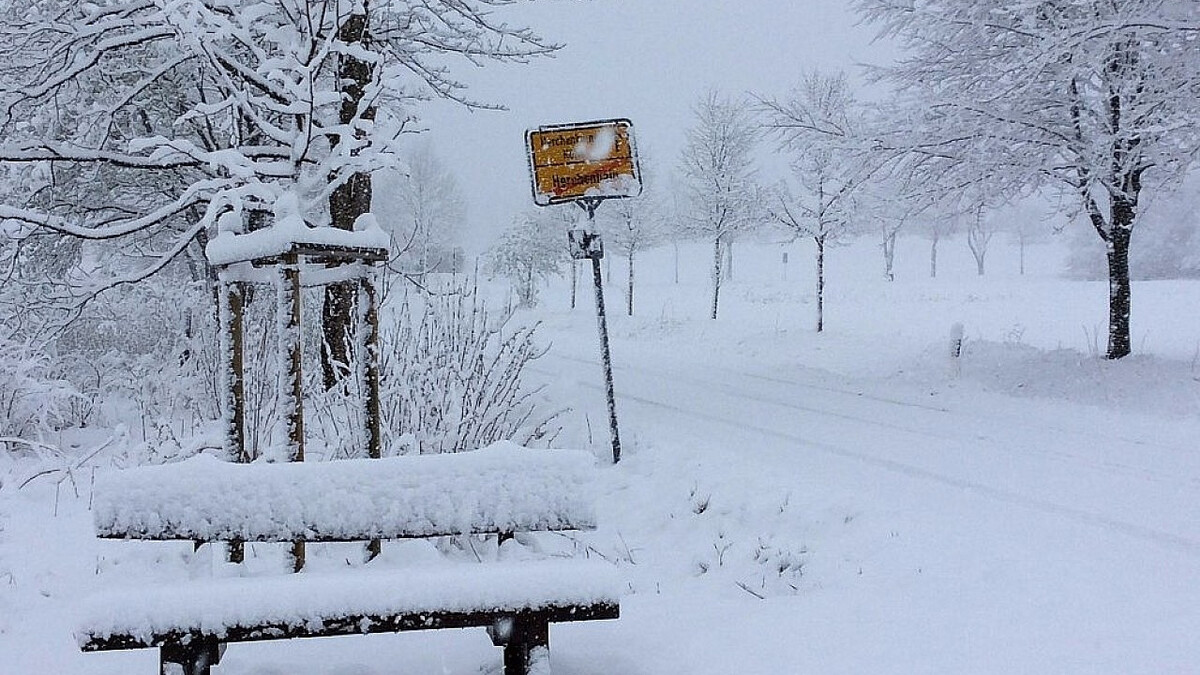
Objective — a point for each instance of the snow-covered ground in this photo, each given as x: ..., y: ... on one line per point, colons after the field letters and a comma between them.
x: 788, y: 502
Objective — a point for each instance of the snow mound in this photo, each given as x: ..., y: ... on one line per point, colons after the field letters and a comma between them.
x: 1140, y: 383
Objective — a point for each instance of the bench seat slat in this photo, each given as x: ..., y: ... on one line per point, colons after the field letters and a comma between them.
x: 499, y: 489
x: 369, y: 601
x: 359, y: 625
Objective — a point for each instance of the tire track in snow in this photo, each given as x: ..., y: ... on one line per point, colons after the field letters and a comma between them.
x: 1041, y: 425
x: 1148, y: 534
x: 969, y: 439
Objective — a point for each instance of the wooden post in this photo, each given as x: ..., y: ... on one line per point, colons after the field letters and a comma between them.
x: 234, y: 296
x: 292, y: 381
x: 193, y: 659
x: 374, y: 431
x: 527, y: 651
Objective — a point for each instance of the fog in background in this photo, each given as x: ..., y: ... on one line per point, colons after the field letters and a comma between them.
x: 647, y: 61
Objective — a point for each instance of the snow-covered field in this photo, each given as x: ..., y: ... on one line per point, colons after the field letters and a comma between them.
x: 788, y: 502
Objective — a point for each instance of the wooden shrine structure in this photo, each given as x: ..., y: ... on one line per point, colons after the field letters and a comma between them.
x: 299, y: 256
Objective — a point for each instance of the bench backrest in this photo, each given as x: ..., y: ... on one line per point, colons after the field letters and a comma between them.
x: 503, y: 488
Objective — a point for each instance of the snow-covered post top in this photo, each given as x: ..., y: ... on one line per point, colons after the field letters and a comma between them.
x: 287, y: 233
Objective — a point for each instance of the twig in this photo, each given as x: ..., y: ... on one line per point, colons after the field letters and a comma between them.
x: 749, y: 590
x: 628, y: 553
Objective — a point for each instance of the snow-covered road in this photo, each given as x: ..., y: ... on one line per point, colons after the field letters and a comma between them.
x: 997, y: 448
x: 983, y: 533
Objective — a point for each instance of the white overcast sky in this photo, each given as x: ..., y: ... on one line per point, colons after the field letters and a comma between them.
x: 647, y: 60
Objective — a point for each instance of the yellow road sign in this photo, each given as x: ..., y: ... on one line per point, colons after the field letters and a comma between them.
x: 570, y: 162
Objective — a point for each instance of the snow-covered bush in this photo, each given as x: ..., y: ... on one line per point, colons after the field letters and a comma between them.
x: 146, y: 357
x: 529, y: 252
x: 34, y: 400
x: 452, y: 377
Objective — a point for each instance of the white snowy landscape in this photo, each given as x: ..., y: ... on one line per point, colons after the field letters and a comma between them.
x: 900, y: 334
x: 1028, y: 509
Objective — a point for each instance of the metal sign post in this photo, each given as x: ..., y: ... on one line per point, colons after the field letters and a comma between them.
x: 586, y: 164
x: 587, y: 244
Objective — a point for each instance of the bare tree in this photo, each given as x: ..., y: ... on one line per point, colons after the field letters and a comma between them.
x: 892, y: 205
x: 888, y: 227
x: 935, y: 226
x: 822, y: 126
x: 423, y: 210
x: 982, y: 225
x: 632, y: 225
x: 718, y: 176
x: 1026, y: 223
x: 1095, y: 98
x: 529, y: 252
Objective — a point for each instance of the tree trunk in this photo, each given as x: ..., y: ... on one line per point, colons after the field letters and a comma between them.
x: 1021, y: 246
x: 1119, y: 288
x: 346, y: 203
x: 716, y: 276
x: 424, y: 255
x: 629, y: 291
x: 889, y: 256
x: 525, y: 294
x: 978, y: 238
x: 977, y: 242
x: 676, y: 246
x: 820, y: 283
x: 728, y: 267
x: 337, y: 327
x: 933, y: 258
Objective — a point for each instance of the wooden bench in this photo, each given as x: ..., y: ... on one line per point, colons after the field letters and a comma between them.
x: 501, y: 490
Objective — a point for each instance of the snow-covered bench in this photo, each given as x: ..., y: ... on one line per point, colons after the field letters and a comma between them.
x: 503, y: 490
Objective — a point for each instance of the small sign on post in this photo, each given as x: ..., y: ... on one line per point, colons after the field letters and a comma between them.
x: 584, y: 244
x: 587, y: 163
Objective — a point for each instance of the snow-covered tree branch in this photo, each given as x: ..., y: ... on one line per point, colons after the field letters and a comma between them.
x: 171, y: 113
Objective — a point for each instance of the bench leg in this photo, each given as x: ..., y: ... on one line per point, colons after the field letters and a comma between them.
x: 528, y: 649
x: 193, y: 659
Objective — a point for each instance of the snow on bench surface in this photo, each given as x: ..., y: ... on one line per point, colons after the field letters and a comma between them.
x: 214, y: 607
x: 501, y: 488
